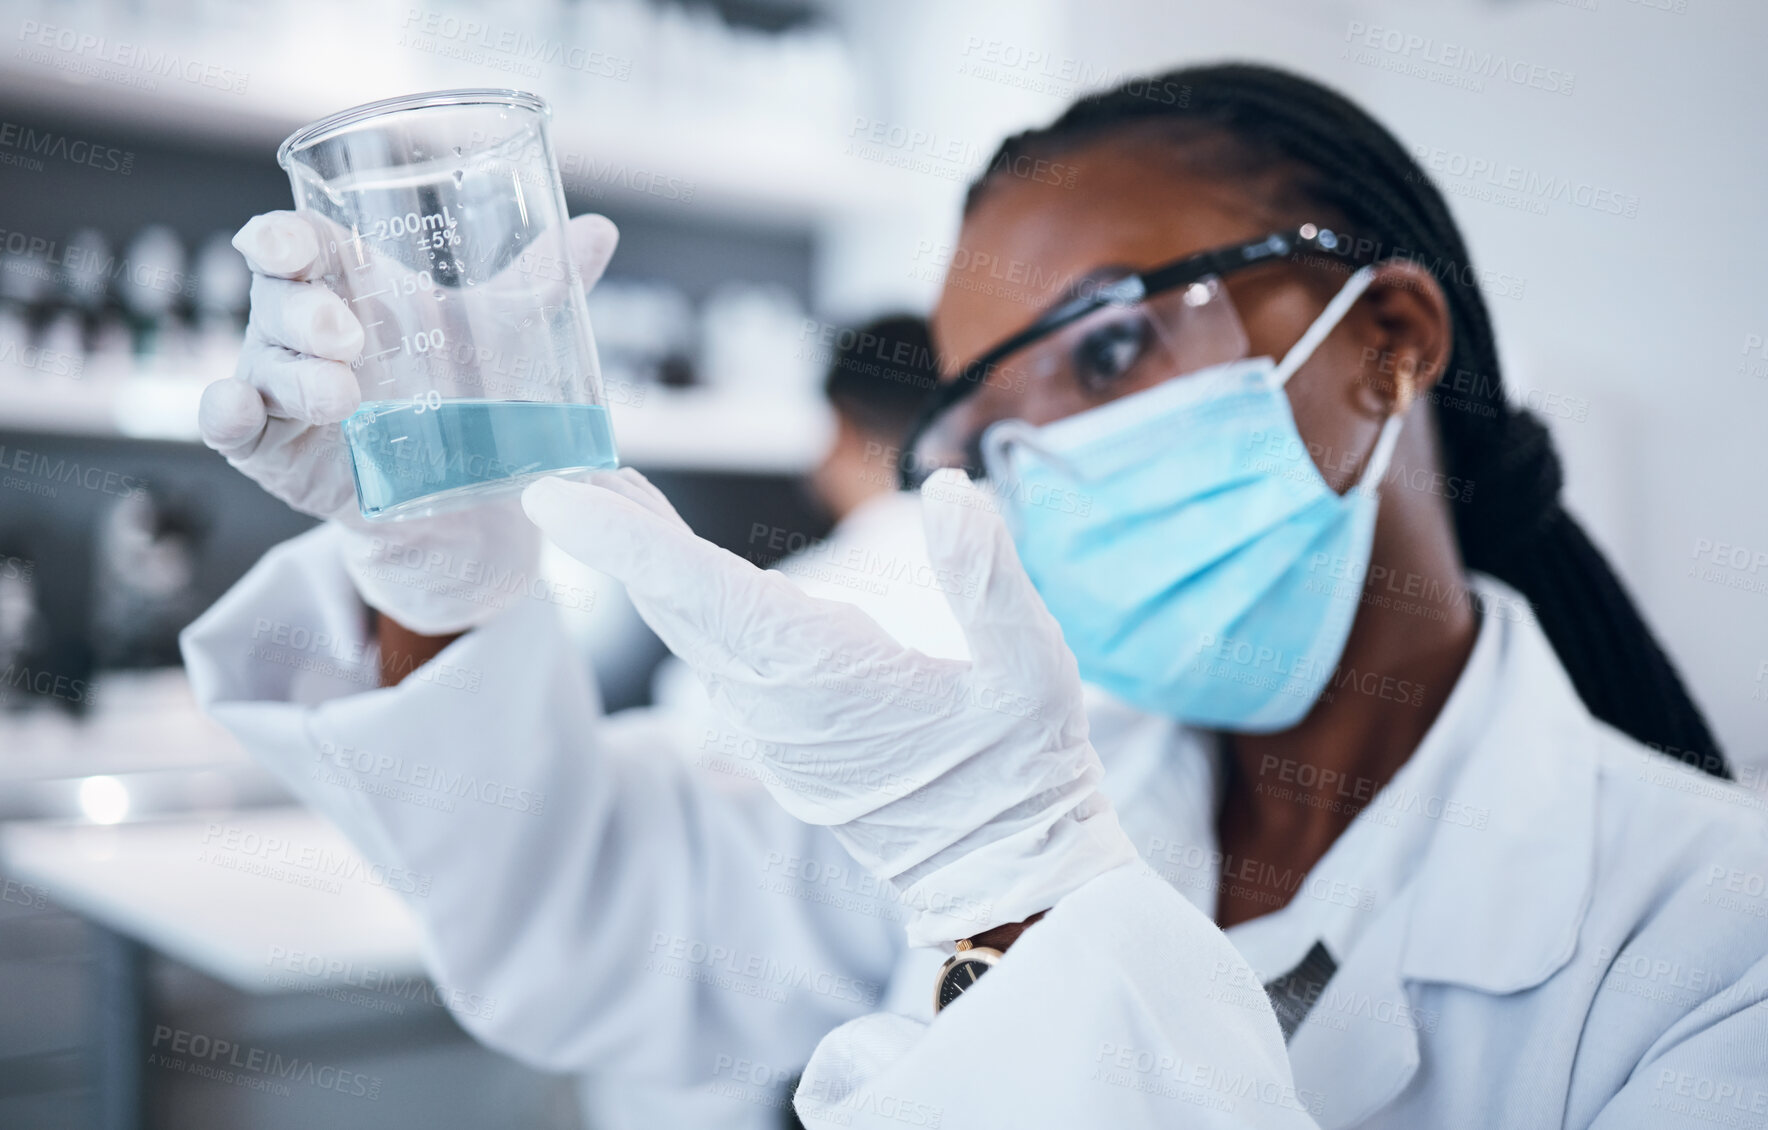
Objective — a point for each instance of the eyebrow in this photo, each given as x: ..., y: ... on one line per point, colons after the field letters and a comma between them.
x: 1085, y: 284
x: 1080, y: 286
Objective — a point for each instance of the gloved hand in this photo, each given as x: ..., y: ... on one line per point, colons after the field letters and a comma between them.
x: 969, y: 786
x: 277, y: 420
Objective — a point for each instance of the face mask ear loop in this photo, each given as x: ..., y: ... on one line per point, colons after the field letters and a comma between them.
x: 1327, y: 321
x: 1383, y: 454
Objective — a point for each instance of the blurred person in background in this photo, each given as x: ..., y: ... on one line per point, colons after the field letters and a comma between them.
x: 877, y: 381
x: 1373, y: 836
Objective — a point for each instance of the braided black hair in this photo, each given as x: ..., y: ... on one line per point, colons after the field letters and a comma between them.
x: 1341, y: 161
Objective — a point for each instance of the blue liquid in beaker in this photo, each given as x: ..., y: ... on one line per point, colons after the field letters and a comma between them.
x: 405, y: 453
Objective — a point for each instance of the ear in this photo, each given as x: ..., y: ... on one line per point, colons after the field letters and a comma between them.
x: 1414, y: 336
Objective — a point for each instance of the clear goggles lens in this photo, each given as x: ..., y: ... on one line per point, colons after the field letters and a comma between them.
x: 1111, y: 352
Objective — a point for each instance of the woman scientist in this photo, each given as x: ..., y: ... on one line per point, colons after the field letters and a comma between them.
x: 1366, y: 833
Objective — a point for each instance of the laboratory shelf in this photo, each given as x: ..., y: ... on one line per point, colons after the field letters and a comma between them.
x: 712, y: 430
x: 637, y: 133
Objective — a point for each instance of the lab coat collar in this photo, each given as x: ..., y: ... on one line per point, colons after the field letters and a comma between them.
x: 1358, y: 1047
x: 1500, y: 896
x: 1508, y: 877
x: 1497, y: 901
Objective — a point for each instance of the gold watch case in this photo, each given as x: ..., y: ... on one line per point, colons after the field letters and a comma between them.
x: 962, y: 970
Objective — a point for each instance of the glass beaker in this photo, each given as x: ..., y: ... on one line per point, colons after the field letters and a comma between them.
x: 443, y: 220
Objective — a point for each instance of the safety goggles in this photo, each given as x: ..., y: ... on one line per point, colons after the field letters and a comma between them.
x: 1119, y: 336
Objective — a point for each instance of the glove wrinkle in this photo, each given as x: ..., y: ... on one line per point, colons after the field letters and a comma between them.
x: 970, y: 787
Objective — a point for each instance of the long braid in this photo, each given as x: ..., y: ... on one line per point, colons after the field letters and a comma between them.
x: 1515, y: 528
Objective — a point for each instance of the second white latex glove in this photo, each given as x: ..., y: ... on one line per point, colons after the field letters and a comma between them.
x: 277, y: 420
x: 970, y: 787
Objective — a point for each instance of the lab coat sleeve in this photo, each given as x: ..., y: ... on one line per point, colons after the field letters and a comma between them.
x: 1124, y: 1007
x: 586, y: 900
x: 1709, y: 1069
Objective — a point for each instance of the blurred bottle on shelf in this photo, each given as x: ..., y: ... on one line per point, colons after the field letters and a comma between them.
x: 223, y: 293
x: 85, y: 288
x: 644, y: 335
x: 25, y: 277
x: 36, y: 338
x: 747, y: 339
x: 61, y: 350
x: 15, y: 335
x: 85, y: 270
x: 21, y: 621
x: 135, y: 336
x: 752, y: 343
x: 792, y: 79
x: 143, y: 579
x: 149, y: 287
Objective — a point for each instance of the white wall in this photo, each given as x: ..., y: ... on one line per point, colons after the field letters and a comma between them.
x: 1638, y: 324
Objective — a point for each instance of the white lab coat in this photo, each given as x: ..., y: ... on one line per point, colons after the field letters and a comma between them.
x: 1542, y: 923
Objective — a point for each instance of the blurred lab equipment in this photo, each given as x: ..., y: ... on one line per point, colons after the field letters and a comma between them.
x: 646, y: 335
x: 85, y: 273
x: 442, y: 218
x: 21, y: 621
x: 155, y: 279
x: 144, y: 571
x: 223, y: 285
x: 750, y: 342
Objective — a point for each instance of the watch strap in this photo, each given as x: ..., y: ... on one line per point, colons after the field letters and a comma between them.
x: 1000, y: 937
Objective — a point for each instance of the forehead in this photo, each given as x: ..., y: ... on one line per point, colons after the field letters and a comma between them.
x: 1128, y: 204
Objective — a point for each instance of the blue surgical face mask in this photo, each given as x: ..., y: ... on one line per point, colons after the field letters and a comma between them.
x: 1182, y: 536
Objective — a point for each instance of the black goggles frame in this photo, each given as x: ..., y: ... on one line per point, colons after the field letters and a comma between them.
x: 1130, y: 289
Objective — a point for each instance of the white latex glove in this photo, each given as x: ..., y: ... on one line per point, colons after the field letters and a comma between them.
x: 970, y: 787
x: 277, y: 420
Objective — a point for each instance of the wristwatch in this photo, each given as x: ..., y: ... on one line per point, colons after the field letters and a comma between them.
x: 976, y: 956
